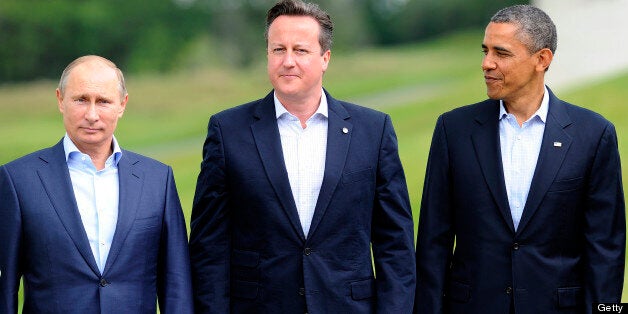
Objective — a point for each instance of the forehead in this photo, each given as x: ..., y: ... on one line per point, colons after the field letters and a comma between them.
x: 92, y: 76
x: 293, y: 24
x: 501, y: 34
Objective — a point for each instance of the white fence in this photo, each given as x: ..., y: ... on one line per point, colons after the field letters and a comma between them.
x: 592, y: 40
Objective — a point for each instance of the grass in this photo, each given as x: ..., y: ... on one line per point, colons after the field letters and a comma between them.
x: 167, y: 115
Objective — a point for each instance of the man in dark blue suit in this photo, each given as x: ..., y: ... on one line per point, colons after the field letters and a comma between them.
x: 523, y: 207
x: 295, y: 190
x: 89, y: 227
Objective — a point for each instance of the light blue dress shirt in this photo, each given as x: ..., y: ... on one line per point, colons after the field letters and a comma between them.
x: 520, y: 147
x: 97, y: 197
x: 304, y: 154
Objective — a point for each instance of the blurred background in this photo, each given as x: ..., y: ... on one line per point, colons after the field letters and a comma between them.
x: 187, y: 59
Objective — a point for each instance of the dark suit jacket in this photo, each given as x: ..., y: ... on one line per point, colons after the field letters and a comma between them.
x: 248, y: 250
x: 568, y: 250
x: 43, y: 240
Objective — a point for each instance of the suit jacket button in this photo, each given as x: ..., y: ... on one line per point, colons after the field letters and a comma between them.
x: 301, y: 291
x: 515, y: 246
x: 508, y: 290
x: 307, y: 251
x: 103, y: 282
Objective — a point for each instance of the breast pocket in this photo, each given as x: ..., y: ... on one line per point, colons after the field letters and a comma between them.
x: 357, y: 176
x: 566, y: 185
x: 146, y: 223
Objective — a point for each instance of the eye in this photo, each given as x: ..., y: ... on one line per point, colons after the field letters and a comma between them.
x: 277, y: 51
x: 301, y: 51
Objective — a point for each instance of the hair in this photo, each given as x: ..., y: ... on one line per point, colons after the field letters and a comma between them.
x: 300, y: 8
x: 536, y: 29
x: 66, y: 72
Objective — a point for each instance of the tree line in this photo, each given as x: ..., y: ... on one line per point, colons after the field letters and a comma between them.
x: 38, y: 38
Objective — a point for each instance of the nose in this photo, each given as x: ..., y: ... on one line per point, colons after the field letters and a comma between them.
x: 92, y: 113
x: 488, y: 63
x: 288, y: 59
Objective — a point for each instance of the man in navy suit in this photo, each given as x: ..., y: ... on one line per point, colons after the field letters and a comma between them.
x: 89, y: 227
x: 523, y: 207
x: 296, y: 188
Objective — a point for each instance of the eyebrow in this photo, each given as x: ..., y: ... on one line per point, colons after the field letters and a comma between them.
x: 498, y: 48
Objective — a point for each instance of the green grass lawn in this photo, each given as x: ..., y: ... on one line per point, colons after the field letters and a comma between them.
x: 166, y: 117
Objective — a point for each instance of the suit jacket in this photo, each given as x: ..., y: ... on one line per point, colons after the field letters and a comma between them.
x: 248, y: 250
x: 568, y: 250
x: 43, y: 240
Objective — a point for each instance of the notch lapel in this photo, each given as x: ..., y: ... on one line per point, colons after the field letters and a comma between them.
x: 487, y: 148
x: 550, y: 157
x: 55, y: 177
x: 266, y: 134
x: 131, y: 183
x: 336, y: 155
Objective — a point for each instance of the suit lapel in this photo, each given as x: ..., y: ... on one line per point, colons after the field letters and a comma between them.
x: 337, y: 149
x: 130, y: 182
x: 55, y: 178
x: 268, y: 142
x: 487, y: 148
x: 550, y: 158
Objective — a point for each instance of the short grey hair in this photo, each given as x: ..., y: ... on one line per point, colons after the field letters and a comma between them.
x: 66, y: 72
x: 536, y: 29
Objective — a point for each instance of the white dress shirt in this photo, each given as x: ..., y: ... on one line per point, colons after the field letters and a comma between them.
x: 304, y: 154
x: 520, y: 147
x: 97, y: 197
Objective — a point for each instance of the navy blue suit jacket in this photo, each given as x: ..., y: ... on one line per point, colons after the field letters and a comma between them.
x: 568, y: 250
x: 43, y: 240
x: 248, y: 250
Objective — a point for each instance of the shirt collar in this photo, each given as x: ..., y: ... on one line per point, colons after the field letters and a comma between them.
x: 70, y: 149
x: 323, y: 108
x: 541, y: 112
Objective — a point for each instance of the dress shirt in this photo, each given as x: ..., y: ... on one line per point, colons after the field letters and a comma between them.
x: 520, y: 147
x: 304, y: 152
x: 97, y: 197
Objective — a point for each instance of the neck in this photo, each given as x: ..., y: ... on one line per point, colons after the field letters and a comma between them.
x: 302, y: 108
x: 524, y: 107
x: 98, y: 155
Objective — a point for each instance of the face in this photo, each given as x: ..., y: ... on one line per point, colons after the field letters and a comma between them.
x: 510, y: 71
x: 296, y: 63
x: 91, y: 106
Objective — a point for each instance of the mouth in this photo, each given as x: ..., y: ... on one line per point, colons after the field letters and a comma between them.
x: 90, y: 130
x: 290, y: 76
x: 490, y: 79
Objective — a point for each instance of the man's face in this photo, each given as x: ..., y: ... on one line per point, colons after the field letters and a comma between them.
x: 91, y: 106
x: 295, y: 62
x: 510, y: 71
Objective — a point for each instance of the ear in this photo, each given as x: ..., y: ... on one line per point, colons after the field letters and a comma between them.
x: 545, y: 57
x: 60, y: 100
x: 123, y: 105
x: 326, y: 57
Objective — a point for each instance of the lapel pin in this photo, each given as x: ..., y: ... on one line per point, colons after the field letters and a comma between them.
x: 558, y: 144
x: 345, y: 130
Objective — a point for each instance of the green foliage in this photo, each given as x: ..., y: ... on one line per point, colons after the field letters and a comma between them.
x: 38, y: 38
x: 399, y: 21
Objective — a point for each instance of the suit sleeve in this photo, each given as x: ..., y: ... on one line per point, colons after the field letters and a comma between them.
x: 174, y: 279
x: 435, y: 233
x: 209, y: 237
x: 10, y: 235
x: 392, y: 230
x: 605, y: 225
